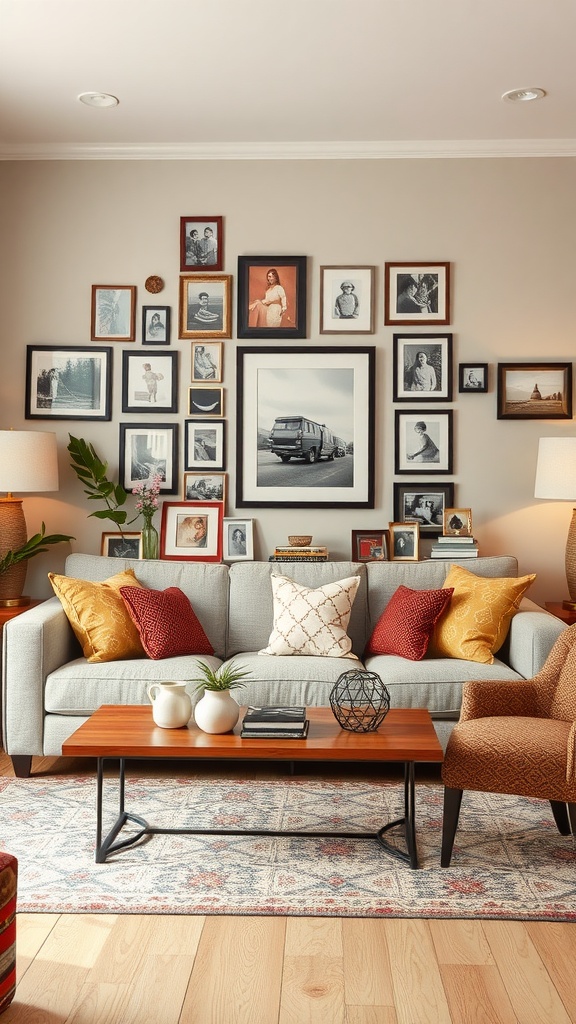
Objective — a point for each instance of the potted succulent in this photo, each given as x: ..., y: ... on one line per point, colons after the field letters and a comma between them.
x: 217, y: 711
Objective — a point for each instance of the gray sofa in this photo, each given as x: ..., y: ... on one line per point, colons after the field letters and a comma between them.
x: 49, y: 688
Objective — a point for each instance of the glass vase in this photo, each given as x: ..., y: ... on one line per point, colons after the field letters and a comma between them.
x: 150, y: 542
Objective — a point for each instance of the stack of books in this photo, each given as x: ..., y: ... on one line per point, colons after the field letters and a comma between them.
x: 275, y: 722
x: 289, y: 553
x: 455, y: 547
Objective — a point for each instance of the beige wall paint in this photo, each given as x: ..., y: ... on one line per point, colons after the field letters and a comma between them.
x: 506, y: 226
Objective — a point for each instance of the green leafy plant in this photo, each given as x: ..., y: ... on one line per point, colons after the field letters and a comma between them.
x: 34, y: 546
x: 226, y: 677
x: 91, y: 472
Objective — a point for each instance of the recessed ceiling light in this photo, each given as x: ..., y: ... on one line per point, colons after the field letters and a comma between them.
x: 98, y: 99
x: 523, y: 95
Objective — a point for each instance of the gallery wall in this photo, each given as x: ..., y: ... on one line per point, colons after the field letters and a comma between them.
x: 506, y: 226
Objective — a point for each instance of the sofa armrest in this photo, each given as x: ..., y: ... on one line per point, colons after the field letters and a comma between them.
x: 33, y: 645
x: 533, y: 632
x: 489, y: 698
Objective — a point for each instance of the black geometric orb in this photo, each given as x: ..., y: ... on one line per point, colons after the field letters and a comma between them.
x: 360, y: 701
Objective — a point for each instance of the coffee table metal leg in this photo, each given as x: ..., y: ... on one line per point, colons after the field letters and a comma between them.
x: 107, y: 846
x: 410, y: 855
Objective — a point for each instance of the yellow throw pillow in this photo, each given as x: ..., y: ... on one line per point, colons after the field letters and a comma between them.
x: 476, y: 622
x: 99, y: 617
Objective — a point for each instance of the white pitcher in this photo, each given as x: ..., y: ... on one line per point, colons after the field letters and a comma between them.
x: 216, y: 711
x: 171, y: 705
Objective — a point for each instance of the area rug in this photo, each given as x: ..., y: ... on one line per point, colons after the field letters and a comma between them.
x: 509, y: 860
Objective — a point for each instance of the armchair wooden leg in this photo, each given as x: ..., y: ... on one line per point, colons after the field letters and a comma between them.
x: 560, y: 812
x: 22, y: 765
x: 572, y: 817
x: 452, y: 801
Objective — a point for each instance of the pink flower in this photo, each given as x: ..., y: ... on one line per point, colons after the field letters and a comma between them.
x: 147, y: 493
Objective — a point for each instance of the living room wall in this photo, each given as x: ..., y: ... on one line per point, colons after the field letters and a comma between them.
x: 506, y: 226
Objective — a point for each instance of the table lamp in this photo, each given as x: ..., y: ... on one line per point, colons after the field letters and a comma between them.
x: 29, y: 463
x: 556, y: 479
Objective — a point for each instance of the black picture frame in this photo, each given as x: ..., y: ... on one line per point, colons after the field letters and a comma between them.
x: 290, y: 294
x: 205, y: 445
x: 417, y: 433
x: 68, y: 382
x: 472, y: 378
x: 331, y: 390
x: 422, y: 367
x: 518, y: 384
x: 204, y: 400
x: 156, y: 325
x: 146, y: 450
x: 149, y: 381
x: 412, y: 504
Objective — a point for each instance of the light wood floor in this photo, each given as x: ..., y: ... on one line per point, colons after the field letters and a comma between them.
x: 131, y: 969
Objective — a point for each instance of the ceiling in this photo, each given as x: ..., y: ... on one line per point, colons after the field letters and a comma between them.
x: 300, y: 78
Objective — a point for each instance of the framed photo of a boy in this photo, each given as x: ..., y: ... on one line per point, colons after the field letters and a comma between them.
x: 149, y: 381
x: 271, y: 297
x: 417, y: 293
x: 205, y: 307
x: 423, y: 441
x: 113, y: 313
x: 201, y: 244
x: 346, y: 300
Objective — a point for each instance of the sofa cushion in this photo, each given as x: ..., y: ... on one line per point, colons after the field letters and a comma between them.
x: 98, y: 615
x: 166, y: 622
x: 312, y: 622
x: 407, y: 622
x: 476, y: 622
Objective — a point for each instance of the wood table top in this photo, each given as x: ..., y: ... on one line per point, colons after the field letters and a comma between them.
x: 129, y: 731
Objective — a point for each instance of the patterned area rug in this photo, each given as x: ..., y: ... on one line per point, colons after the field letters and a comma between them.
x: 509, y: 860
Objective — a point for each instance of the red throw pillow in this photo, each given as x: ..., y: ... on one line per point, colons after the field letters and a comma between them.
x: 407, y: 622
x: 166, y: 622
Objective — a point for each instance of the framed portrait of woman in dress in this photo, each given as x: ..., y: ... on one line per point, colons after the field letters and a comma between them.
x: 271, y: 297
x: 422, y: 367
x: 423, y: 441
x: 417, y: 293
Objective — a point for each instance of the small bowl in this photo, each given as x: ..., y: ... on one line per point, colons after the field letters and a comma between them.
x: 299, y: 542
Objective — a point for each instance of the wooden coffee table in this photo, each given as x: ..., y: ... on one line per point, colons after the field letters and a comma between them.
x: 123, y: 733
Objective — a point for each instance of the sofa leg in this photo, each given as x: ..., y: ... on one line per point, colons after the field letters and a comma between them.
x: 452, y: 801
x: 560, y: 812
x: 22, y: 765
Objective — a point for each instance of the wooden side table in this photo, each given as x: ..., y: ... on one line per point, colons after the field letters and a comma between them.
x: 567, y: 616
x: 5, y: 615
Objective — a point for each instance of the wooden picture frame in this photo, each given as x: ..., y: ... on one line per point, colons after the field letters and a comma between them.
x: 113, y: 312
x: 404, y: 542
x: 205, y: 306
x: 422, y: 367
x: 416, y: 293
x: 423, y: 503
x: 201, y: 244
x: 370, y: 545
x: 146, y: 450
x: 205, y: 445
x: 534, y: 391
x: 472, y: 378
x: 156, y: 323
x: 205, y: 401
x: 347, y: 300
x: 149, y: 381
x: 68, y: 382
x: 423, y: 441
x: 238, y: 540
x: 207, y: 361
x: 204, y: 486
x: 271, y: 297
x: 121, y: 545
x: 192, y: 530
x: 327, y: 459
x: 457, y: 522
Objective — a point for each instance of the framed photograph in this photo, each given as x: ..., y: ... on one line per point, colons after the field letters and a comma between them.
x: 238, y: 540
x: 404, y: 541
x: 122, y: 545
x: 457, y: 522
x: 68, y: 383
x: 369, y: 545
x: 155, y: 325
x: 147, y: 450
x: 417, y: 293
x: 149, y: 381
x: 204, y: 444
x: 423, y: 438
x: 423, y: 504
x: 422, y: 367
x: 204, y: 487
x: 113, y: 314
x: 207, y: 360
x: 205, y: 309
x: 305, y: 427
x: 472, y: 378
x: 192, y: 530
x: 346, y: 300
x: 534, y: 391
x: 205, y: 401
x: 271, y: 297
x: 201, y: 243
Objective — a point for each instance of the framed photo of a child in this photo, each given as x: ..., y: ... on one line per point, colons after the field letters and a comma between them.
x: 149, y: 381
x: 201, y: 244
x: 192, y: 530
x: 423, y: 441
x: 347, y: 300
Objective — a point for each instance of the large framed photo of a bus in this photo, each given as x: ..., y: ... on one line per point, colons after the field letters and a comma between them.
x: 305, y: 427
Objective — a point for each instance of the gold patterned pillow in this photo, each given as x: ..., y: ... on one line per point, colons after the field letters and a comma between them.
x: 312, y: 622
x: 99, y: 617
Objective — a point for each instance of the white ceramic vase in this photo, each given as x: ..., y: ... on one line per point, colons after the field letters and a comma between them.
x: 171, y: 705
x: 216, y: 711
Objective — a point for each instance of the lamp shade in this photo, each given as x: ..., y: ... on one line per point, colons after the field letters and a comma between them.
x: 28, y: 461
x: 556, y: 469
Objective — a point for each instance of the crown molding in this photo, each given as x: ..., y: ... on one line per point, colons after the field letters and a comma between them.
x: 409, y: 150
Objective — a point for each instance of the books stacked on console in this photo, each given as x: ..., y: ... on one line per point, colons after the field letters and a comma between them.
x: 290, y: 553
x: 455, y: 547
x: 275, y: 722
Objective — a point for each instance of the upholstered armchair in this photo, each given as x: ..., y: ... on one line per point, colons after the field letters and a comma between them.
x: 517, y: 738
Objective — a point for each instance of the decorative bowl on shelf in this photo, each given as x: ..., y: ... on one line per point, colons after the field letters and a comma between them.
x: 299, y: 542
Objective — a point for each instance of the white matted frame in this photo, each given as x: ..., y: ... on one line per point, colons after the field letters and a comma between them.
x: 206, y: 361
x: 417, y: 293
x: 422, y: 367
x: 238, y: 540
x: 423, y: 441
x: 347, y: 300
x: 205, y: 445
x: 68, y: 383
x: 146, y: 450
x: 192, y: 530
x: 204, y: 486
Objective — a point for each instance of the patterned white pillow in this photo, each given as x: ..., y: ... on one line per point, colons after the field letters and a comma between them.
x: 312, y: 622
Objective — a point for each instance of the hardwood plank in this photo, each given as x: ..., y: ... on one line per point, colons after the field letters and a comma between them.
x: 476, y: 995
x: 556, y: 946
x: 312, y: 990
x: 306, y: 936
x: 528, y: 984
x: 77, y: 940
x: 419, y: 995
x: 32, y: 931
x: 126, y: 946
x: 46, y: 993
x: 460, y: 942
x: 367, y: 975
x: 175, y: 934
x: 371, y: 1015
x: 156, y: 991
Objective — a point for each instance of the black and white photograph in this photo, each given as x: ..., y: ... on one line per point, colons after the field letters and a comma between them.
x: 155, y: 325
x: 192, y: 530
x: 113, y: 312
x: 149, y: 381
x: 534, y: 391
x: 207, y: 360
x: 204, y: 487
x: 346, y: 300
x: 205, y: 401
x: 423, y: 438
x: 238, y: 540
x: 147, y: 451
x: 68, y: 383
x: 422, y: 367
x: 404, y: 542
x: 122, y: 545
x: 201, y: 244
x: 473, y: 378
x: 423, y: 504
x: 205, y: 306
x: 305, y: 427
x: 205, y: 445
x: 417, y: 293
